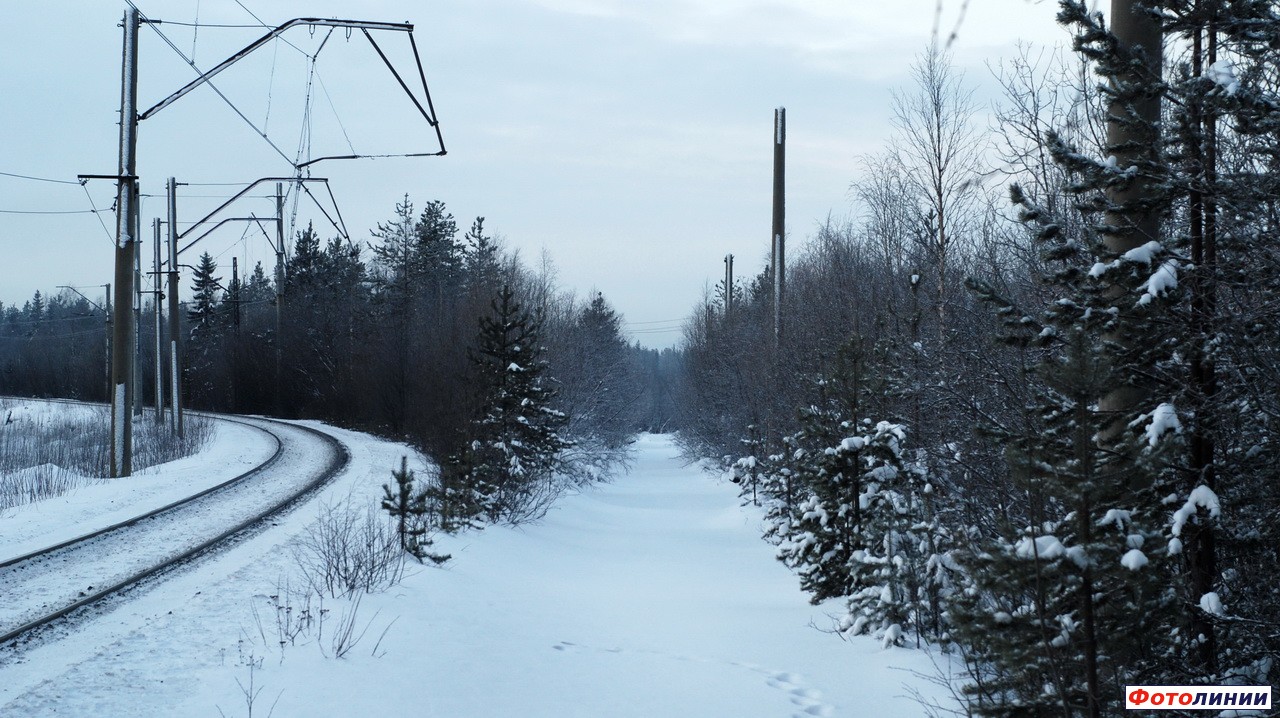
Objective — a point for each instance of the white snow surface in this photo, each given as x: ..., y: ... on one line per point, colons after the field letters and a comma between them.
x: 1143, y: 254
x: 234, y: 449
x: 649, y: 596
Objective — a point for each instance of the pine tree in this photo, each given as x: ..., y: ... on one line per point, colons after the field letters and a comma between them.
x: 207, y: 289
x: 481, y: 263
x: 257, y: 288
x: 437, y: 251
x: 408, y: 507
x: 456, y: 500
x: 515, y: 447
x: 597, y: 387
x: 35, y: 309
x: 822, y: 526
x: 860, y: 525
x: 1050, y: 621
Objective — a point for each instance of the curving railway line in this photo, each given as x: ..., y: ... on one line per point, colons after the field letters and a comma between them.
x: 66, y: 580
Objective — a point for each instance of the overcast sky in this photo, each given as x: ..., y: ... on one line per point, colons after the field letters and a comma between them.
x: 629, y: 139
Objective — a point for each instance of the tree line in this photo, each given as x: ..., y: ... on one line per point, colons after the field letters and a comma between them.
x: 425, y: 333
x: 1024, y: 403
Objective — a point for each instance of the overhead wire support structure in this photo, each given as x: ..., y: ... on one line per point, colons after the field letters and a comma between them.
x: 127, y: 222
x: 428, y: 113
x: 277, y: 245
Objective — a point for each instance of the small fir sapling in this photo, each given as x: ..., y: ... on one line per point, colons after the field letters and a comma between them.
x: 409, y: 508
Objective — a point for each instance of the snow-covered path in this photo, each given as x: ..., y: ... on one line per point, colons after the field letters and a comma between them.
x: 652, y: 596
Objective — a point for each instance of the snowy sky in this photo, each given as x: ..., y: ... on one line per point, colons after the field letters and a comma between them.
x: 630, y: 140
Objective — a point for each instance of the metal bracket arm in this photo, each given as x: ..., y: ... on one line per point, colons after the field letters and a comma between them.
x: 322, y: 22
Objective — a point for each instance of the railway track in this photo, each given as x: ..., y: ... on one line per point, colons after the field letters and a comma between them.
x: 70, y: 577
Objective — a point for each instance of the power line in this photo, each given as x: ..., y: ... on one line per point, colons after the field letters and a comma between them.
x: 199, y: 25
x: 195, y: 34
x: 41, y: 211
x: 656, y: 321
x: 111, y: 238
x: 263, y: 24
x: 39, y: 179
x: 336, y: 116
x: 52, y: 336
x: 8, y: 322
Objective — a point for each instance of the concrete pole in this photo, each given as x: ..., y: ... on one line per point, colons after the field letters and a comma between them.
x: 279, y: 294
x: 728, y: 286
x: 175, y: 315
x: 234, y: 298
x: 156, y: 296
x: 126, y: 241
x: 1130, y: 144
x: 1134, y: 28
x: 106, y: 303
x: 779, y: 222
x: 137, y: 316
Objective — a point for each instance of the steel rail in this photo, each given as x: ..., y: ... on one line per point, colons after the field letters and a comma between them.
x: 339, y: 461
x: 275, y: 456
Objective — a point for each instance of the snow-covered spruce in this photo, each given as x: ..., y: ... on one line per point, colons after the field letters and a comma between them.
x: 861, y: 529
x: 507, y: 469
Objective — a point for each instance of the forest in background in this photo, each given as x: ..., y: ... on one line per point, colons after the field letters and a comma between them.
x: 382, y: 336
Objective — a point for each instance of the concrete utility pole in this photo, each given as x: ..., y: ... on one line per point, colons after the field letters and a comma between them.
x: 279, y: 293
x: 156, y: 296
x: 728, y: 286
x: 126, y: 248
x: 137, y: 316
x: 1134, y: 28
x: 1131, y: 143
x: 175, y: 317
x: 779, y: 221
x: 123, y: 382
x: 1133, y: 135
x: 106, y: 302
x: 234, y: 297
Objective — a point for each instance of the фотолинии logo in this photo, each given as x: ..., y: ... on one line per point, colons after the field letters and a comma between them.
x: 1154, y: 698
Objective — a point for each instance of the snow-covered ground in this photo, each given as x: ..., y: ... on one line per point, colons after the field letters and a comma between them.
x: 235, y: 449
x: 650, y: 596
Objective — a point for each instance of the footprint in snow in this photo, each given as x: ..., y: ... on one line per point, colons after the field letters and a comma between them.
x: 808, y: 701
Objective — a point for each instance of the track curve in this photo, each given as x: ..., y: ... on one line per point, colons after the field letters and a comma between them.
x: 116, y: 558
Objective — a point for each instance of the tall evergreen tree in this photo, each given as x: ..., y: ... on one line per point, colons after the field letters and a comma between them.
x: 515, y: 446
x: 1072, y: 582
x: 481, y: 263
x: 207, y: 295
